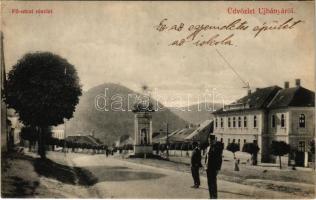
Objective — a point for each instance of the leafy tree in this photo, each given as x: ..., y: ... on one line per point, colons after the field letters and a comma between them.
x: 233, y: 147
x: 44, y: 89
x: 29, y: 133
x: 252, y: 149
x: 280, y: 148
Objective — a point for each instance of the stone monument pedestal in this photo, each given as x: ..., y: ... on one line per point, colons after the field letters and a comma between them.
x: 143, y: 133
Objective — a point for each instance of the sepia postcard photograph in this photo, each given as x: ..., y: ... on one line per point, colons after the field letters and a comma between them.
x: 158, y: 100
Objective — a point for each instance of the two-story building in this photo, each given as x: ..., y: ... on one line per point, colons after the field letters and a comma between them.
x: 268, y: 114
x: 292, y: 119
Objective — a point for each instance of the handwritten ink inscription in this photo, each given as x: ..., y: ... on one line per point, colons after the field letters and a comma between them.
x: 212, y: 35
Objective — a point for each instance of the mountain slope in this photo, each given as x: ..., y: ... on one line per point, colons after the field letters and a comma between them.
x: 109, y: 125
x: 196, y: 113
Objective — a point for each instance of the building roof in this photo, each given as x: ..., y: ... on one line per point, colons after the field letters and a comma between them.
x: 256, y: 100
x: 180, y: 135
x: 125, y: 141
x: 202, y: 131
x: 163, y: 138
x: 87, y: 139
x: 295, y: 96
x: 158, y: 135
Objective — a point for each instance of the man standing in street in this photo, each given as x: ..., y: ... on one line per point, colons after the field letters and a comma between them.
x: 213, y: 163
x: 196, y: 164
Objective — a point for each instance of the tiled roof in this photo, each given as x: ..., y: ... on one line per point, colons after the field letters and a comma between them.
x: 163, y: 138
x: 256, y: 100
x: 204, y: 129
x: 156, y: 138
x: 84, y: 139
x: 181, y: 135
x: 296, y: 96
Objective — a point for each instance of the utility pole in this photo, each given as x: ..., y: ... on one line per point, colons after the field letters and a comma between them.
x: 167, y: 142
x: 65, y: 72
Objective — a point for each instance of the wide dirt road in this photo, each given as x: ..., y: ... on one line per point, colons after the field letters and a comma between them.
x: 123, y: 179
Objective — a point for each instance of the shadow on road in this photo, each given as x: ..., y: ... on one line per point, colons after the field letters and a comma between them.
x: 121, y: 174
x: 63, y: 173
x: 17, y: 178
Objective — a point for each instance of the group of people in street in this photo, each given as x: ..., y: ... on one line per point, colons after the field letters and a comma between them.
x: 212, y: 164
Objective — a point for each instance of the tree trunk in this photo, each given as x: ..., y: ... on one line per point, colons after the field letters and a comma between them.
x: 41, y: 143
x: 30, y: 146
x: 280, y: 162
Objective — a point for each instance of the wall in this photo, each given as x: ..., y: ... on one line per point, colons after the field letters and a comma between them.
x: 292, y: 134
x: 242, y: 133
x: 296, y: 133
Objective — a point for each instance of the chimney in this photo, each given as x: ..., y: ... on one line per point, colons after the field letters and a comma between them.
x: 249, y: 91
x: 286, y: 84
x: 297, y: 82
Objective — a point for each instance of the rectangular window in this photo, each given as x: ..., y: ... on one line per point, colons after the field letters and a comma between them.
x: 255, y: 121
x: 282, y: 120
x: 301, y: 121
x: 216, y: 122
x: 239, y: 122
x: 273, y: 121
x: 245, y: 122
x: 245, y: 141
x: 301, y: 146
x: 229, y: 122
x: 222, y: 123
x: 234, y: 122
x: 234, y: 140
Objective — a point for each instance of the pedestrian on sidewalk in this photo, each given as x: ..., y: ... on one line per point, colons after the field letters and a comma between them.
x: 213, y: 163
x: 236, y: 164
x: 196, y: 164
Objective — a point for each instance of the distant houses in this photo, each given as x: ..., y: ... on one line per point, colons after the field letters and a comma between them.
x: 267, y: 114
x: 14, y: 127
x: 58, y: 131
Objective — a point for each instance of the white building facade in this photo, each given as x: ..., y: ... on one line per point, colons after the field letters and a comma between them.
x: 269, y: 114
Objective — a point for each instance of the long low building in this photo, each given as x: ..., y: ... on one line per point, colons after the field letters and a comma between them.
x: 201, y: 133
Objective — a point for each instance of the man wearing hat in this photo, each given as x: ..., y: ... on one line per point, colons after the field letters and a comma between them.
x: 213, y: 163
x: 196, y: 164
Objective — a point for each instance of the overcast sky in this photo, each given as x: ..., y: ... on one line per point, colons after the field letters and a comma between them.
x: 117, y: 42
